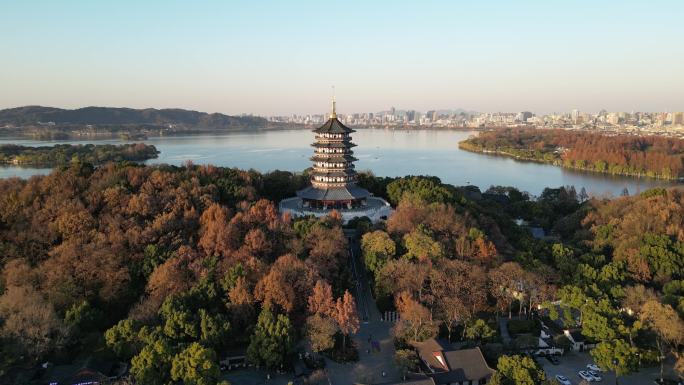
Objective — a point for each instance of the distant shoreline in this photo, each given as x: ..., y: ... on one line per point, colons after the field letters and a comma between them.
x: 466, y: 146
x: 123, y: 133
x: 132, y: 135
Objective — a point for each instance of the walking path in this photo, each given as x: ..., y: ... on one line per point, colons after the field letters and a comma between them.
x: 503, y: 330
x: 372, y: 363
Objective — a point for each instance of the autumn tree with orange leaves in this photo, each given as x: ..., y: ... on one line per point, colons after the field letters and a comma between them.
x: 346, y: 316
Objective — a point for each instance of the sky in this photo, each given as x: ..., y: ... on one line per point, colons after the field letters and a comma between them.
x: 282, y: 57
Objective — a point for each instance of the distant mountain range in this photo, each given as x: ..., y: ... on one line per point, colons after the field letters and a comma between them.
x: 109, y: 116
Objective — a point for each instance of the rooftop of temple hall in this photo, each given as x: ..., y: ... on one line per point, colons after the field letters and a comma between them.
x: 333, y: 194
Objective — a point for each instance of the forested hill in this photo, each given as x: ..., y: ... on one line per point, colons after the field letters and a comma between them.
x: 122, y: 119
x: 631, y: 155
x: 168, y: 268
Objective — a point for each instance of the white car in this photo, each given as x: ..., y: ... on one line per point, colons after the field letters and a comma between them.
x: 594, y: 368
x: 563, y: 380
x: 586, y: 376
x: 596, y: 375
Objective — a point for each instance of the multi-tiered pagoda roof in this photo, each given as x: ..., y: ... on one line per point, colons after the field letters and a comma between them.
x: 333, y: 177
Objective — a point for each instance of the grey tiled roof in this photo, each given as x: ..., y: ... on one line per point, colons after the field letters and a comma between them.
x: 333, y: 126
x: 333, y: 194
x: 464, y: 365
x: 461, y: 365
x: 340, y: 144
x: 419, y: 380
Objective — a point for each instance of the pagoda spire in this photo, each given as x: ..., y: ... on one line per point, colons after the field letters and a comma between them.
x: 334, y: 113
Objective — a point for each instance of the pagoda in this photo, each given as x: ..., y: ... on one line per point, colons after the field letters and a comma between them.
x: 333, y: 178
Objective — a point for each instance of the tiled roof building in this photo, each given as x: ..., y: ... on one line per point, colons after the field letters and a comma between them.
x: 333, y: 179
x: 448, y: 366
x: 443, y: 365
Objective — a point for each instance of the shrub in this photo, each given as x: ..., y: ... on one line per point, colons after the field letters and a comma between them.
x: 516, y: 326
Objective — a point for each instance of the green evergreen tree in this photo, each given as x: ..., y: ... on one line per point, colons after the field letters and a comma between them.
x: 518, y: 370
x: 180, y: 321
x: 196, y: 365
x: 617, y: 355
x: 83, y: 317
x: 214, y: 329
x: 151, y: 366
x: 377, y: 248
x: 272, y: 341
x: 123, y: 337
x: 420, y: 245
x: 478, y: 330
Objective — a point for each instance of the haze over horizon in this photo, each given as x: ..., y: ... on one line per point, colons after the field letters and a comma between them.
x: 274, y: 58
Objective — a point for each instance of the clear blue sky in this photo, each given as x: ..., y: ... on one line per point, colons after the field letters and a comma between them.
x: 281, y: 57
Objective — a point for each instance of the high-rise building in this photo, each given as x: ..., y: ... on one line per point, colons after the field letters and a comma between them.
x: 678, y: 118
x: 575, y: 115
x: 524, y: 116
x: 613, y: 118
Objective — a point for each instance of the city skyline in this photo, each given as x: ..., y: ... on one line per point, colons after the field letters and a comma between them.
x: 607, y: 122
x: 277, y: 59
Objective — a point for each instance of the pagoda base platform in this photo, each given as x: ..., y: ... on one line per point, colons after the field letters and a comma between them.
x: 376, y: 209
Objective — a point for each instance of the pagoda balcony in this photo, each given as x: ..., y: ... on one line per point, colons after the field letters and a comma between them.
x: 334, y: 173
x: 332, y: 136
x: 333, y: 166
x: 334, y: 179
x: 320, y: 179
x: 332, y: 158
x: 333, y: 151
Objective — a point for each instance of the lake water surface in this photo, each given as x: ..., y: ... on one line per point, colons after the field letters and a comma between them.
x: 384, y: 152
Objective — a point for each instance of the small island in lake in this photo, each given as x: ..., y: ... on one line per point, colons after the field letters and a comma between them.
x: 640, y: 156
x: 62, y: 154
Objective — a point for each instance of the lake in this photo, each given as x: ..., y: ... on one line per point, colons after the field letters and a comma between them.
x: 384, y: 152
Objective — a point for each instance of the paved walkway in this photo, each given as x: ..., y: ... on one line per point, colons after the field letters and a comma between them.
x: 371, y: 365
x: 503, y: 330
x: 369, y: 368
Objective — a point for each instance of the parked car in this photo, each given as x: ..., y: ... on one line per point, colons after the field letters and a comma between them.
x: 596, y: 375
x: 594, y: 367
x: 553, y: 359
x: 563, y: 380
x: 586, y: 375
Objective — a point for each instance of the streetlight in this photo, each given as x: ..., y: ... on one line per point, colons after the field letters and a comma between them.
x: 615, y: 363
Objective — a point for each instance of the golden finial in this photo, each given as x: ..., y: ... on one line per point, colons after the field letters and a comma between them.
x: 334, y: 114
